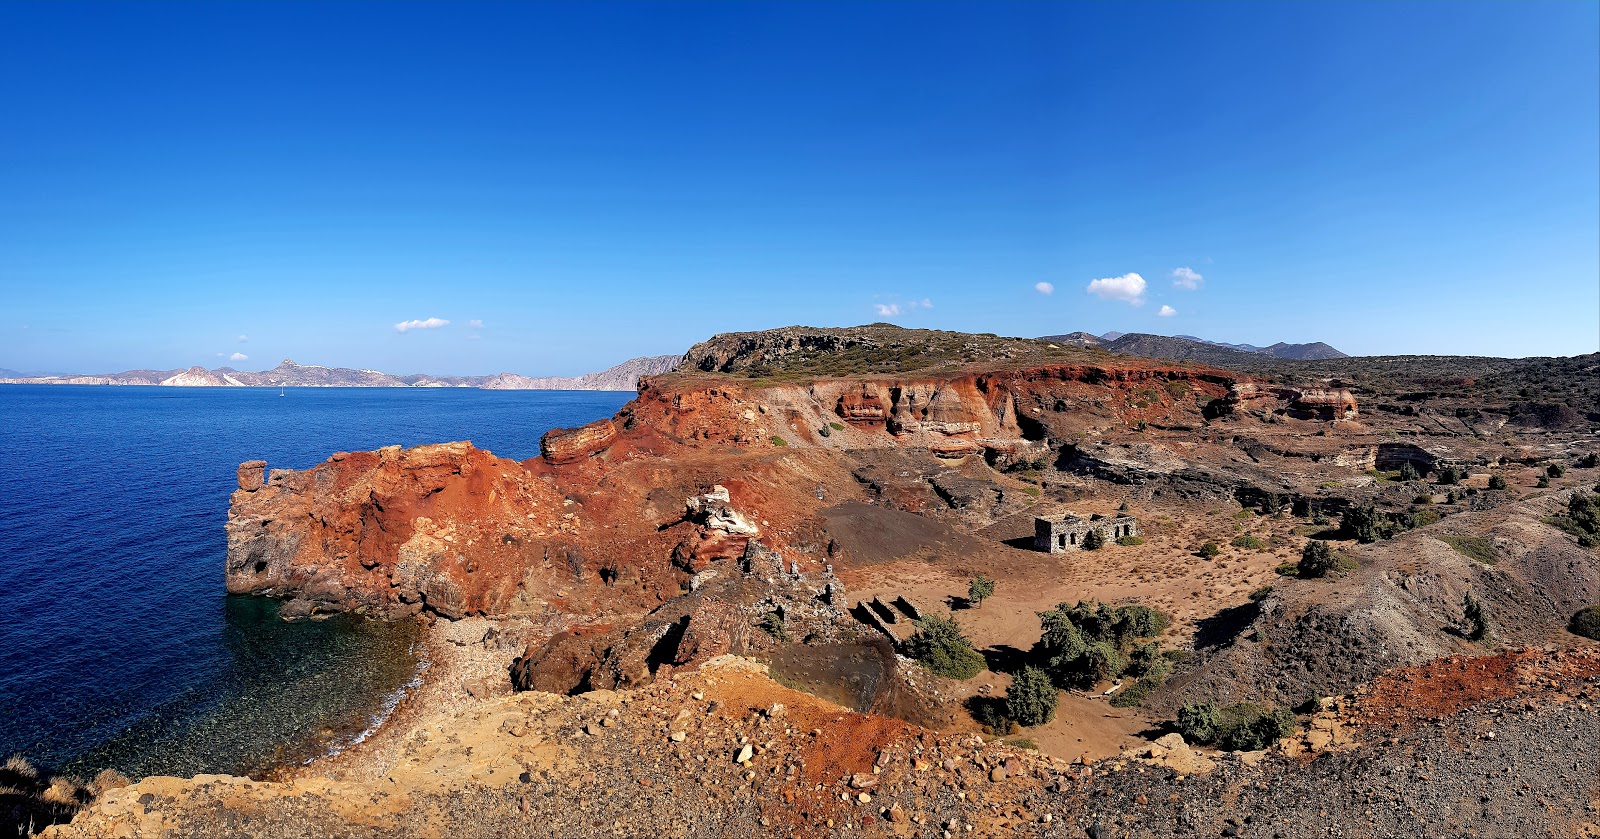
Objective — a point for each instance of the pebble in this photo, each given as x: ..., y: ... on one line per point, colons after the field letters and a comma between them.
x: 745, y: 754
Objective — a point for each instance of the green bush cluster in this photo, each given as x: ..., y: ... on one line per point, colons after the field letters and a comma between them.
x: 1249, y: 542
x: 1246, y: 726
x: 1497, y: 482
x: 1587, y: 623
x: 1209, y: 550
x: 1089, y: 642
x: 941, y: 646
x: 1130, y: 541
x: 1582, y: 518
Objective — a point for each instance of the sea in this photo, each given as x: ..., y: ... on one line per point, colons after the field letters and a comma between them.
x: 119, y: 648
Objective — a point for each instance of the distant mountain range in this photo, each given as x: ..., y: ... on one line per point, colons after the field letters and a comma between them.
x: 624, y: 376
x: 1190, y: 348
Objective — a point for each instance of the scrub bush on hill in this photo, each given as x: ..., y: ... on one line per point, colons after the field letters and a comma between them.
x: 1582, y: 518
x: 1587, y: 623
x: 941, y: 646
x: 1031, y: 699
x: 1246, y: 726
x: 1317, y: 560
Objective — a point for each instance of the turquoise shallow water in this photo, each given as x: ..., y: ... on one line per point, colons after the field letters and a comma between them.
x: 118, y: 647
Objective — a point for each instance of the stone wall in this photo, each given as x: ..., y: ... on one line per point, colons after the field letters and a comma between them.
x: 1066, y: 533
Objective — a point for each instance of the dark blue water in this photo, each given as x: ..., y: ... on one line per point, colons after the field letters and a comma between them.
x: 118, y: 647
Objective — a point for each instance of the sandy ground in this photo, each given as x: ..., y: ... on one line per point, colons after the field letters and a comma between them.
x: 1165, y: 573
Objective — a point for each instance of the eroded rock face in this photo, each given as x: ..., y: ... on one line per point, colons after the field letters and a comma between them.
x: 569, y: 445
x: 252, y: 475
x: 447, y: 528
x: 588, y: 527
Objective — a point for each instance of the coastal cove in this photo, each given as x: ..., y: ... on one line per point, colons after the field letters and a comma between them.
x: 118, y: 647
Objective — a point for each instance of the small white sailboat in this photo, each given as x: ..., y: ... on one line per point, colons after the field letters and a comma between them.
x: 280, y: 391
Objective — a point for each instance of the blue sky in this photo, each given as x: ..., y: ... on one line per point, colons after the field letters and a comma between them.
x: 593, y: 181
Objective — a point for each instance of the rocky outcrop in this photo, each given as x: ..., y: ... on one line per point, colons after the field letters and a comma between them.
x: 252, y: 475
x: 445, y: 528
x: 569, y: 445
x: 1314, y: 403
x: 1324, y: 403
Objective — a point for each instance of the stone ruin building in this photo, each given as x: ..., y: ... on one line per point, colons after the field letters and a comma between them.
x: 1057, y: 534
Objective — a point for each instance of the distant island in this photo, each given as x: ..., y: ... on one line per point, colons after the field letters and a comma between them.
x: 624, y: 376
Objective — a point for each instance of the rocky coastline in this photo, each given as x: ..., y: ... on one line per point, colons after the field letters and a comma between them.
x: 600, y: 616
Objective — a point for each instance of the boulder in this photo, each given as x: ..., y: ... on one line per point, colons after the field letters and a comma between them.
x: 570, y: 445
x: 252, y: 475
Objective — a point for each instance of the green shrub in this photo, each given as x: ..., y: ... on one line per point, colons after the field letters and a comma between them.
x: 1472, y: 547
x: 1130, y: 541
x: 1093, y: 541
x: 1422, y: 500
x: 1477, y: 617
x: 1555, y: 470
x: 941, y: 646
x: 1590, y: 460
x: 1362, y: 523
x: 1408, y: 472
x: 1450, y: 475
x: 1543, y: 482
x: 1199, y: 722
x: 1587, y: 623
x: 990, y: 713
x: 1316, y: 560
x: 779, y: 441
x: 1582, y: 518
x: 1247, y: 726
x: 1031, y: 699
x: 980, y: 589
x: 1497, y: 482
x: 836, y: 426
x: 1101, y: 661
x: 1209, y: 550
x: 773, y: 625
x: 1250, y: 542
x: 1024, y: 743
x: 1422, y: 518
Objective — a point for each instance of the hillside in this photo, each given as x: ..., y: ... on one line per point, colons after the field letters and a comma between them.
x: 801, y: 352
x: 1190, y: 348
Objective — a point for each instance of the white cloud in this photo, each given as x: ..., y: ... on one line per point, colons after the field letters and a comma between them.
x: 1187, y: 278
x: 475, y: 324
x: 238, y: 356
x: 430, y: 323
x: 244, y: 338
x: 1166, y: 312
x: 924, y: 303
x: 887, y: 310
x: 1045, y: 288
x: 1128, y: 287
